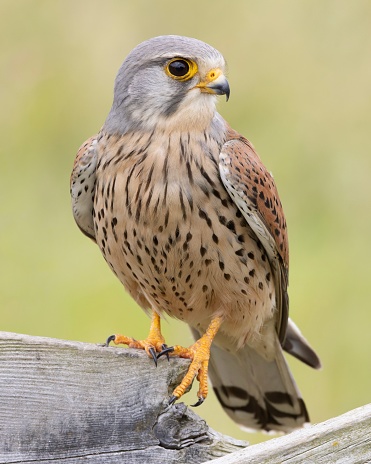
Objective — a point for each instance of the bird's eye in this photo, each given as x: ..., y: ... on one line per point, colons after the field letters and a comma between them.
x: 178, y: 68
x: 181, y: 69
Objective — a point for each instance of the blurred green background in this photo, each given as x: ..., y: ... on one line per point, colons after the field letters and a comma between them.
x: 300, y: 74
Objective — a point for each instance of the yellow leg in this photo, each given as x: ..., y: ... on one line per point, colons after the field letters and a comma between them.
x: 155, y: 342
x: 199, y: 352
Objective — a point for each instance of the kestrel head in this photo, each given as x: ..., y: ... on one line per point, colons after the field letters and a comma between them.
x: 167, y: 81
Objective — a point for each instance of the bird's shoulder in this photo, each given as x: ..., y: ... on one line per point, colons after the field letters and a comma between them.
x: 254, y: 190
x: 82, y: 186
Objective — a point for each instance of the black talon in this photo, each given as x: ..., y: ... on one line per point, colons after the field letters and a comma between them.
x: 164, y: 347
x: 172, y: 400
x: 167, y: 350
x: 152, y: 352
x: 199, y: 402
x: 109, y: 340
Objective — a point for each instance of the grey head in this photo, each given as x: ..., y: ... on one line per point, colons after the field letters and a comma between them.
x: 167, y: 82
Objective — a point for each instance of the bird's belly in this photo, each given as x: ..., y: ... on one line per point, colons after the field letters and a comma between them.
x: 191, y: 260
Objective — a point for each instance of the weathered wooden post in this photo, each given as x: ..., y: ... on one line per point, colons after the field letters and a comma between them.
x: 70, y: 402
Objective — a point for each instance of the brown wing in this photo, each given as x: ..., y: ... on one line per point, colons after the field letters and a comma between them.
x: 82, y: 186
x: 254, y: 191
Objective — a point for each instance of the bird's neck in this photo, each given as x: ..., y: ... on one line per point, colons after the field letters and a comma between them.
x: 196, y: 113
x: 214, y: 126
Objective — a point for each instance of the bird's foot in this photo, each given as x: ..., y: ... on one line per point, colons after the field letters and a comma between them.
x: 153, y: 344
x: 199, y: 353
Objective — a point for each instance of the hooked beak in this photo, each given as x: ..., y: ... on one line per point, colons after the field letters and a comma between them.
x: 215, y: 83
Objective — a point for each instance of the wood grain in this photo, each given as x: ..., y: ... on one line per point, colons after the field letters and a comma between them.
x: 70, y: 402
x: 342, y: 440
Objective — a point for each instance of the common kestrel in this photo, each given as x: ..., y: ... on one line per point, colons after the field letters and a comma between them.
x: 190, y: 221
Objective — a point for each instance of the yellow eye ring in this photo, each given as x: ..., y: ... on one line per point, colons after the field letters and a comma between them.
x: 181, y: 69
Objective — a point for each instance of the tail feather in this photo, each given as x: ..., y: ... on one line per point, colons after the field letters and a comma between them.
x: 254, y: 392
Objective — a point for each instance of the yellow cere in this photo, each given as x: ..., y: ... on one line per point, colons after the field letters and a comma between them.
x: 213, y: 75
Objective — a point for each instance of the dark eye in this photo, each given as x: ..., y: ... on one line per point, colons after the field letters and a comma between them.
x: 178, y: 68
x: 181, y: 69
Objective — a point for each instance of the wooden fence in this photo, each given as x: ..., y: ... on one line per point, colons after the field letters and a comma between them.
x: 71, y: 403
